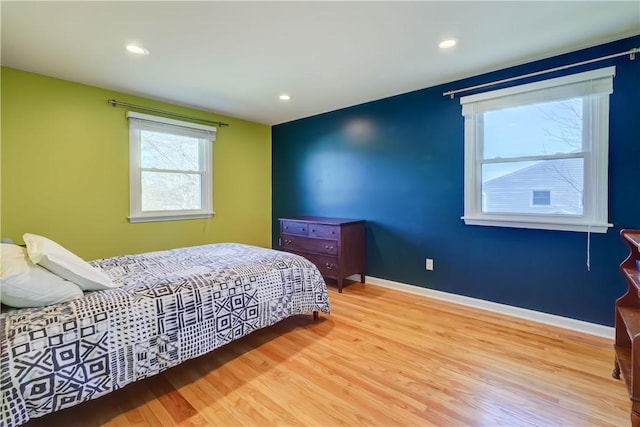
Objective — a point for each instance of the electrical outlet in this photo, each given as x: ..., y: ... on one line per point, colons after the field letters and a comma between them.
x: 429, y: 264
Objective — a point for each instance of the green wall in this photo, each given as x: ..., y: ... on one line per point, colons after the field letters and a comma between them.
x: 65, y: 172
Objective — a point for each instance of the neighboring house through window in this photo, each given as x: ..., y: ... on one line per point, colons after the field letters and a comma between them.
x: 536, y: 155
x: 170, y: 169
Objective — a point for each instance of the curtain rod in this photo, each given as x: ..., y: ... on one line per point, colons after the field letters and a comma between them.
x: 630, y: 52
x: 115, y: 103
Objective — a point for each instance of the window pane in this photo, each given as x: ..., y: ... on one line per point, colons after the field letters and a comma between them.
x: 508, y: 187
x: 541, y: 197
x: 531, y: 130
x: 163, y: 191
x: 166, y: 151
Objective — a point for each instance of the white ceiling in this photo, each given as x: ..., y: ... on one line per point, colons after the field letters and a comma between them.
x: 235, y: 58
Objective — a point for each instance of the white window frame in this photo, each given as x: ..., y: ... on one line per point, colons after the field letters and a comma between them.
x: 206, y: 135
x: 595, y: 87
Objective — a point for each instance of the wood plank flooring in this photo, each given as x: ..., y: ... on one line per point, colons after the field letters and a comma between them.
x: 382, y: 358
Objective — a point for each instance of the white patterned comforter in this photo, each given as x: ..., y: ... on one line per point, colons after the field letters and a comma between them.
x: 173, y: 306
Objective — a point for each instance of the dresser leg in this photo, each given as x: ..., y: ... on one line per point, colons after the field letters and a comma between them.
x: 362, y: 277
x: 635, y: 416
x: 339, y: 285
x: 315, y: 315
x: 616, y: 370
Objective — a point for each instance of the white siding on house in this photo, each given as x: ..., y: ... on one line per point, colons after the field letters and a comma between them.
x: 513, y: 192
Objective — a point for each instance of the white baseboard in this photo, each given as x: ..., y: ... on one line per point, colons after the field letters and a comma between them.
x: 522, y: 313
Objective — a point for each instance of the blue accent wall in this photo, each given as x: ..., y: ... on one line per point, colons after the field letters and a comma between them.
x: 398, y: 163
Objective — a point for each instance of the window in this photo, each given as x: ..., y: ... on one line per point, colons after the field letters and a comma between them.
x: 170, y: 169
x: 541, y: 198
x: 526, y: 143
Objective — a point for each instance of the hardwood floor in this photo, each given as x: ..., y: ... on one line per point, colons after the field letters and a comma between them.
x: 382, y: 358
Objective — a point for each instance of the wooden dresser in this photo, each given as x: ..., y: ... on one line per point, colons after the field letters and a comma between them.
x: 627, y: 324
x: 336, y: 246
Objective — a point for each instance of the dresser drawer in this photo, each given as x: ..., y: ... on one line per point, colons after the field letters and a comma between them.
x: 294, y: 227
x: 328, y: 265
x: 323, y: 231
x: 320, y: 246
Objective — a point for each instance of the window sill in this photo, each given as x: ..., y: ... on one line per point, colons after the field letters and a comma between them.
x: 537, y: 225
x: 179, y: 217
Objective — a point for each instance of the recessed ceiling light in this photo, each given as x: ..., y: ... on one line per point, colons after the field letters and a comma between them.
x: 284, y: 97
x: 446, y: 44
x: 137, y: 50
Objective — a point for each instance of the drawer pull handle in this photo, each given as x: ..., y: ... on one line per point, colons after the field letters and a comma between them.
x: 287, y: 241
x: 313, y: 230
x: 328, y: 247
x: 328, y: 266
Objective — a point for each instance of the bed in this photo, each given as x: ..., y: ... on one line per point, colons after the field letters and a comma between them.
x: 170, y: 306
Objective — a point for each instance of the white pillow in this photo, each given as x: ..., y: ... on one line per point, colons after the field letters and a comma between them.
x: 24, y: 284
x: 65, y: 264
x: 14, y: 260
